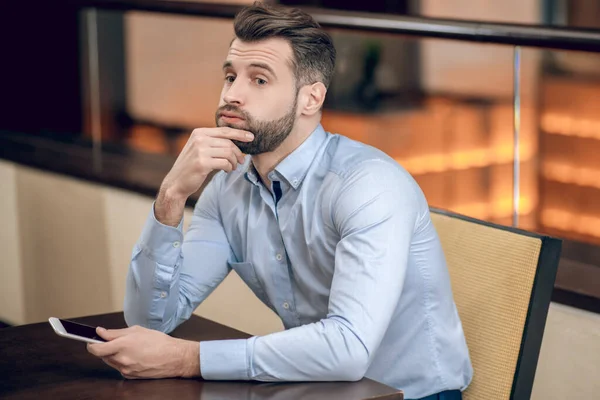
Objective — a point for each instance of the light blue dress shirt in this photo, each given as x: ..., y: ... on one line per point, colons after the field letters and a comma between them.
x: 347, y: 256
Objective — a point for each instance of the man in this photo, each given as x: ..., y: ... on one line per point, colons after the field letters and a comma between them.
x: 331, y: 234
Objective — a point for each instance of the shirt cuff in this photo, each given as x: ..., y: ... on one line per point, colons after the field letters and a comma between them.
x: 226, y: 359
x: 161, y: 242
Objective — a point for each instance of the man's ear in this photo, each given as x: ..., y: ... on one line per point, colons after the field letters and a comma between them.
x: 313, y: 97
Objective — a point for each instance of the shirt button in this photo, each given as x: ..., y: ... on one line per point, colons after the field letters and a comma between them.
x: 286, y: 305
x: 163, y: 295
x: 279, y: 257
x: 176, y: 244
x: 295, y: 182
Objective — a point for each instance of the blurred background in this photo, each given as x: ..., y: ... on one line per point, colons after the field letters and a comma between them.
x: 442, y: 108
x: 111, y: 96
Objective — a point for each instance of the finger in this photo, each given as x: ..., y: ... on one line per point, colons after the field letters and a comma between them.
x: 103, y: 349
x: 228, y: 154
x: 228, y: 144
x: 239, y: 156
x: 111, y: 334
x: 221, y: 164
x: 238, y: 153
x: 226, y: 132
x: 111, y: 363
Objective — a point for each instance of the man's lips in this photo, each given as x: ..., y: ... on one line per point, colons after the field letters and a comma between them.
x: 231, y: 117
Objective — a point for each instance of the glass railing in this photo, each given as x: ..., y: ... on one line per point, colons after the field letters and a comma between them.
x: 568, y: 126
x: 448, y: 110
x: 496, y: 121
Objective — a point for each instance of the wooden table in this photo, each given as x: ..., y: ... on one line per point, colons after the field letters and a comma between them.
x: 35, y: 363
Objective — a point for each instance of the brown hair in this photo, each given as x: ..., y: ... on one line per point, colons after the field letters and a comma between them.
x: 314, y: 53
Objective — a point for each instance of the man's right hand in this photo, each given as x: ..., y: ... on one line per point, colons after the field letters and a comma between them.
x: 207, y: 150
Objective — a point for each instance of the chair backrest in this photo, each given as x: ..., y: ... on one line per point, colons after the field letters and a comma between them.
x: 502, y: 280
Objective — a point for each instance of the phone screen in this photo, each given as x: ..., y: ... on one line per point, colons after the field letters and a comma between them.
x: 81, y: 330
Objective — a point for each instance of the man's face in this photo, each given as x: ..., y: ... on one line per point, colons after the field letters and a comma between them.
x: 259, y: 93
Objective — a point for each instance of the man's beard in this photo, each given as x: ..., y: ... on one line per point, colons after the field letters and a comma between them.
x: 268, y: 135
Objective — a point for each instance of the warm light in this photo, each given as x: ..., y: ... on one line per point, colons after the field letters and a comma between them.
x: 499, y: 208
x: 556, y: 218
x: 567, y: 125
x: 585, y: 224
x: 461, y: 160
x: 566, y: 173
x: 504, y: 206
x: 148, y: 139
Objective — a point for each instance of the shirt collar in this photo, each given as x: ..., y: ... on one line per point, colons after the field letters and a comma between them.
x: 251, y: 173
x: 294, y: 167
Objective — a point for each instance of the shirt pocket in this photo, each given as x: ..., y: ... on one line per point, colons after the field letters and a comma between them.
x: 246, y: 271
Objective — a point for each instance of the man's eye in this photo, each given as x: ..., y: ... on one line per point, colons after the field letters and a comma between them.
x: 260, y: 81
x: 230, y: 78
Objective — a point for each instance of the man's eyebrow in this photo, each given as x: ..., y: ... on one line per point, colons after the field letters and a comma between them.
x: 228, y: 64
x: 264, y: 66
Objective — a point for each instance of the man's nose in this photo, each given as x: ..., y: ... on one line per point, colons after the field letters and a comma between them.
x: 234, y: 94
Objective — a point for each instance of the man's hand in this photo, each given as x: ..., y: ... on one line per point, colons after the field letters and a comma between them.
x: 138, y: 352
x: 207, y: 150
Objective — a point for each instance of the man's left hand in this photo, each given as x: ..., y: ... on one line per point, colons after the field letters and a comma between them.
x: 138, y: 352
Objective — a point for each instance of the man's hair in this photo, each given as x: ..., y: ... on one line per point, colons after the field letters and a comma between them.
x: 313, y: 50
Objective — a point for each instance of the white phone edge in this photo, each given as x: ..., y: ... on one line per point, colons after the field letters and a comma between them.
x: 59, y: 329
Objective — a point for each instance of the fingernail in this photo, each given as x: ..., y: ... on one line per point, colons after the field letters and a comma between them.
x: 101, y: 329
x: 249, y: 136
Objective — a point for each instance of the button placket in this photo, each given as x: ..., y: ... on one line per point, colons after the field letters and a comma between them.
x: 282, y: 277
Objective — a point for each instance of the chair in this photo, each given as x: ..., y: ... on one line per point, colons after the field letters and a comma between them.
x: 502, y: 280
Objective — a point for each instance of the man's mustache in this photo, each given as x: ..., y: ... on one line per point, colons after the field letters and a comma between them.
x: 233, y: 109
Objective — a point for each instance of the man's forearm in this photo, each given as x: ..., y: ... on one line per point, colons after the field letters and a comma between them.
x: 168, y: 209
x: 323, y: 351
x: 153, y: 276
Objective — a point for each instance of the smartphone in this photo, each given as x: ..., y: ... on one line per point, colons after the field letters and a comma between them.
x: 74, y: 330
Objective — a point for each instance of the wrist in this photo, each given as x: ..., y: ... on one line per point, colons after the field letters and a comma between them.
x: 170, y: 195
x: 190, y: 359
x: 168, y: 208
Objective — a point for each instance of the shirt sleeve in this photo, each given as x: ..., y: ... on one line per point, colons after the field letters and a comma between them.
x: 169, y: 275
x: 375, y: 212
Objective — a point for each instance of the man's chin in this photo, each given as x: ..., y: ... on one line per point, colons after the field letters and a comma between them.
x: 246, y: 148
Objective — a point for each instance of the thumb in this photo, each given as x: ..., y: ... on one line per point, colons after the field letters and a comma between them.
x: 112, y: 334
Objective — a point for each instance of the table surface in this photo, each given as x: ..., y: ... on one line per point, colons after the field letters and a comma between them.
x: 37, y: 363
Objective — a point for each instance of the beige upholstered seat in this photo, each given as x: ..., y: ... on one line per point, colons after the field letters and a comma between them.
x: 502, y: 281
